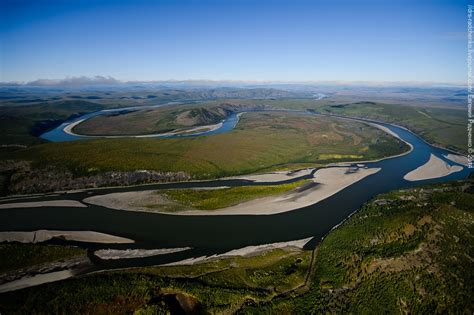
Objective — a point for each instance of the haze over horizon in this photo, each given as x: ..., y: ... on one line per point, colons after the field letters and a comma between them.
x: 286, y: 41
x: 108, y: 80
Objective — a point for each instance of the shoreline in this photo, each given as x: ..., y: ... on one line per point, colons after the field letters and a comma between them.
x: 435, y: 167
x: 328, y: 181
x: 48, y: 203
x: 399, y: 126
x: 40, y: 236
x: 236, y: 176
x: 249, y: 251
x: 187, y: 132
x: 459, y: 159
x: 177, y: 132
x: 242, y: 252
x: 113, y: 254
x: 36, y: 280
x: 378, y: 125
x: 273, y: 177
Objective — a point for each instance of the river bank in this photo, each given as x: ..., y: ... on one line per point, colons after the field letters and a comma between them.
x: 45, y: 235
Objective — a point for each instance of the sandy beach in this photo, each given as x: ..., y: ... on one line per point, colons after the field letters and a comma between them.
x: 35, y: 280
x: 132, y: 200
x: 434, y: 168
x: 245, y: 251
x: 80, y: 236
x: 192, y: 131
x: 195, y: 131
x: 328, y: 181
x: 136, y: 253
x: 460, y: 159
x: 37, y: 204
x: 68, y: 128
x: 274, y: 176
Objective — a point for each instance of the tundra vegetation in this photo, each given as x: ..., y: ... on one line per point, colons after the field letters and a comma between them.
x: 406, y: 251
x: 28, y: 164
x: 211, y: 199
x: 437, y: 114
x: 261, y: 142
x: 443, y: 126
x: 439, y: 126
x: 159, y: 120
x: 22, y: 125
x: 15, y: 256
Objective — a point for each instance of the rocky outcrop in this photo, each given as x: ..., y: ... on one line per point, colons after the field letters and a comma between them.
x: 211, y: 115
x: 28, y: 180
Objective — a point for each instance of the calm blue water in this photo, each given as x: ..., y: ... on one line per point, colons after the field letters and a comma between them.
x: 59, y: 135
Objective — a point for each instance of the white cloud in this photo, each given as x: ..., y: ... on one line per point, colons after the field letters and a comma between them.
x: 75, y: 81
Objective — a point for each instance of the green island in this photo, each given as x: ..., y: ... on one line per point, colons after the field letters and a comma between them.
x: 406, y: 251
x: 157, y: 120
x: 211, y: 199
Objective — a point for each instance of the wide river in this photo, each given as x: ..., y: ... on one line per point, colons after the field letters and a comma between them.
x: 208, y: 235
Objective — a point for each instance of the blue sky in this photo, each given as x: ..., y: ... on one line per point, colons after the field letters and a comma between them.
x: 292, y: 40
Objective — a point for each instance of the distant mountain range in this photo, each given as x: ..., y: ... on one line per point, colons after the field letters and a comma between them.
x: 105, y: 87
x: 108, y: 80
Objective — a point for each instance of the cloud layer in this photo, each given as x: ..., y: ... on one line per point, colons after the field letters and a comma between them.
x: 75, y: 81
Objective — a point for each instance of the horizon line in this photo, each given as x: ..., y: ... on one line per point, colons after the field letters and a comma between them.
x: 109, y: 80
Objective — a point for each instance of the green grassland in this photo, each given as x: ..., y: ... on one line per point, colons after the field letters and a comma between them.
x: 444, y: 126
x: 214, y: 286
x: 440, y: 126
x: 23, y: 124
x: 16, y: 256
x: 149, y: 121
x: 407, y: 251
x: 260, y: 141
x: 220, y: 198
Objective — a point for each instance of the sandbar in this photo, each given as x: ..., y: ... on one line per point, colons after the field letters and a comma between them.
x: 136, y: 253
x: 434, y: 168
x: 79, y: 236
x: 274, y: 176
x: 35, y: 280
x: 326, y: 182
x: 244, y: 252
x: 460, y: 159
x: 50, y: 203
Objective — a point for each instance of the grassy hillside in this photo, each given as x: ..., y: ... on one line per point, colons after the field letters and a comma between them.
x: 445, y: 127
x: 23, y: 124
x: 407, y: 251
x: 15, y: 256
x: 260, y: 141
x: 216, y: 286
x: 148, y: 121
